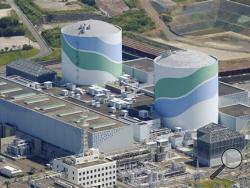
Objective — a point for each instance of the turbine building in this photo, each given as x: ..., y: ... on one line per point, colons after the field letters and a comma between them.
x: 91, y: 52
x: 186, y: 89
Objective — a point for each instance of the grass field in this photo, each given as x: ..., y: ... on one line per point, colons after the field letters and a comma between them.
x: 212, y: 183
x: 54, y: 55
x: 134, y: 20
x: 8, y: 57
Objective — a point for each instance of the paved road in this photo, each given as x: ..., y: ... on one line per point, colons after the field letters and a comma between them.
x: 147, y: 6
x: 44, y: 48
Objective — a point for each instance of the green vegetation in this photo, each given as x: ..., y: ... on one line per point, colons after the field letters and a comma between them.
x: 4, y: 6
x: 134, y: 20
x: 187, y: 1
x: 10, y: 26
x: 212, y: 183
x: 52, y: 36
x: 166, y: 17
x: 89, y: 2
x: 131, y: 3
x: 31, y: 10
x: 54, y: 55
x: 8, y: 57
x: 247, y: 2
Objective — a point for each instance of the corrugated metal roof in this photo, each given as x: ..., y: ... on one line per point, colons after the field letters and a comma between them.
x: 28, y: 67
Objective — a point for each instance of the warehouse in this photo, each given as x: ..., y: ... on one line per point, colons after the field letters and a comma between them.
x: 230, y: 95
x: 236, y: 117
x: 30, y: 71
x: 53, y: 120
x: 141, y: 69
x: 213, y: 140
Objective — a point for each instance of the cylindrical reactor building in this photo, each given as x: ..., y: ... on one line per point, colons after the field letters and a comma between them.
x: 91, y: 52
x: 186, y: 89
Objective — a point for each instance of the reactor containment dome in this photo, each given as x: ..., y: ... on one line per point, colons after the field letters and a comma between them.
x: 186, y: 89
x: 91, y: 52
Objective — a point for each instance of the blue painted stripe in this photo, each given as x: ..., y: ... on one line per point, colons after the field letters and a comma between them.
x: 174, y: 107
x: 114, y: 52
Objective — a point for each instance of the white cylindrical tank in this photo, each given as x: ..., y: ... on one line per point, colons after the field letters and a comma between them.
x: 186, y: 89
x: 91, y: 52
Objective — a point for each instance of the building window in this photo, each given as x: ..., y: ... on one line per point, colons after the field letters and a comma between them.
x: 106, y: 168
x: 83, y: 173
x: 95, y: 170
x: 106, y: 173
x: 110, y: 167
x: 80, y: 179
x: 113, y: 166
x: 73, y: 178
x: 113, y: 177
x: 87, y: 172
x: 91, y: 171
x: 73, y: 172
x: 80, y: 174
x: 83, y: 178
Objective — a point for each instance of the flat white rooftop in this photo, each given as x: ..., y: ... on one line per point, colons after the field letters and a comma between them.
x: 97, y: 29
x: 185, y: 59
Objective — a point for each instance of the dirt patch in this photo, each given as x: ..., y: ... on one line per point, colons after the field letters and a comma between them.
x: 5, y: 12
x: 58, y: 5
x: 225, y: 46
x: 16, y: 43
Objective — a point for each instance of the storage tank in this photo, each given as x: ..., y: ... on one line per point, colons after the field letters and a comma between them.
x: 91, y: 52
x: 186, y: 89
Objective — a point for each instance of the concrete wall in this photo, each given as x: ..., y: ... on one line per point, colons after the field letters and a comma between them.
x: 43, y: 127
x: 140, y: 75
x: 112, y: 140
x: 243, y: 124
x: 227, y: 120
x: 237, y: 98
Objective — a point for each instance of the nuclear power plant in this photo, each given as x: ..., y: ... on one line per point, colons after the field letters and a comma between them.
x: 141, y: 121
x: 186, y: 89
x: 91, y: 52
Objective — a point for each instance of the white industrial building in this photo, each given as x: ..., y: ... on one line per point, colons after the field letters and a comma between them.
x: 88, y: 170
x: 110, y: 137
x: 10, y: 172
x: 91, y: 52
x: 186, y: 89
x: 231, y: 95
x: 236, y: 117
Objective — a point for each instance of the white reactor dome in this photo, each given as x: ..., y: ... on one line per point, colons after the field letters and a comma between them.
x: 91, y: 52
x: 186, y: 89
